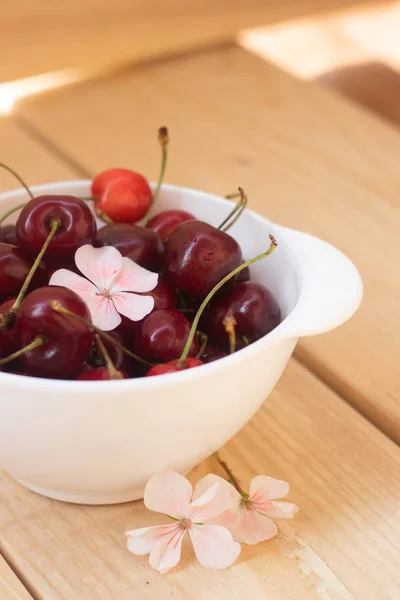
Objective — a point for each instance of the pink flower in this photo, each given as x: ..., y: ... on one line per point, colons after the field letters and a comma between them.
x: 108, y: 289
x: 171, y: 494
x: 248, y: 517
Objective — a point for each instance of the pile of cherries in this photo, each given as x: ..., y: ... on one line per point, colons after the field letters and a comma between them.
x: 205, y: 305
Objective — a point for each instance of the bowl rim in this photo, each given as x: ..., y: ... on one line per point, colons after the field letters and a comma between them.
x: 30, y: 383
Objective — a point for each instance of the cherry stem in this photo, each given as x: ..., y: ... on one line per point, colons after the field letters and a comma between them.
x: 55, y: 224
x: 242, y: 205
x: 215, y: 289
x: 232, y: 196
x: 38, y: 341
x: 203, y: 337
x: 229, y: 322
x: 232, y: 478
x: 11, y: 212
x: 103, y: 217
x: 246, y: 340
x: 113, y: 372
x: 163, y: 139
x: 18, y: 177
x: 59, y: 308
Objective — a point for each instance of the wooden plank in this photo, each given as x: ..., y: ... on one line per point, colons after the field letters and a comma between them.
x: 343, y: 544
x: 43, y: 36
x: 11, y: 587
x: 307, y: 159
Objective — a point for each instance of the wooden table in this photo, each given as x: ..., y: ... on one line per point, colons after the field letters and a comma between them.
x: 309, y: 160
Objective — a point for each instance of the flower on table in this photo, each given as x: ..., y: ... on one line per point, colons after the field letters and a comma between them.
x: 171, y: 493
x: 109, y: 285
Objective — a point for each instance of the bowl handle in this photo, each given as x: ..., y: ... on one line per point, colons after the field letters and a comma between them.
x: 331, y: 291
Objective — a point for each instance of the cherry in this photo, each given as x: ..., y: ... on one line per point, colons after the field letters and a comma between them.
x: 197, y: 256
x: 165, y: 222
x: 7, y: 336
x: 99, y: 374
x: 174, y: 366
x: 210, y: 354
x: 123, y: 196
x: 254, y: 308
x: 243, y: 276
x: 119, y: 359
x: 164, y: 298
x: 77, y: 225
x: 8, y: 234
x: 15, y: 265
x: 141, y: 245
x: 66, y: 341
x: 163, y: 335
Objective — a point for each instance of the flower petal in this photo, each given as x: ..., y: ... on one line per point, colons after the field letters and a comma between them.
x: 163, y: 542
x: 74, y: 282
x: 214, y: 546
x: 228, y: 496
x: 168, y: 492
x: 214, y: 501
x: 282, y: 510
x: 133, y: 306
x: 269, y: 487
x: 254, y: 527
x: 103, y: 312
x: 100, y: 265
x: 134, y: 278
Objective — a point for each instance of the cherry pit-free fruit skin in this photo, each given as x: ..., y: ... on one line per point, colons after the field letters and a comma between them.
x: 141, y: 245
x: 164, y: 223
x: 8, y: 234
x: 15, y: 265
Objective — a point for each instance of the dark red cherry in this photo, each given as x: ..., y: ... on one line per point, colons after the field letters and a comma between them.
x: 141, y: 245
x: 164, y: 298
x: 119, y: 359
x: 8, y: 234
x: 173, y: 366
x: 7, y: 336
x: 254, y: 308
x: 243, y: 275
x: 15, y: 265
x: 211, y: 354
x: 68, y: 340
x: 99, y: 374
x: 165, y: 222
x: 162, y: 336
x: 50, y: 267
x: 77, y: 225
x: 197, y: 256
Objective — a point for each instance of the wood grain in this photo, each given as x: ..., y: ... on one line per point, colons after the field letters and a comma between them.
x: 307, y: 159
x: 43, y: 36
x: 343, y: 544
x: 11, y: 587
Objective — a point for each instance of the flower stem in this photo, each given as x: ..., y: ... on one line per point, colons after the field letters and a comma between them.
x: 203, y: 338
x: 59, y: 308
x: 11, y: 212
x: 38, y: 341
x: 19, y: 178
x: 232, y: 478
x: 215, y: 289
x: 229, y: 322
x: 55, y: 224
x: 114, y: 373
x: 163, y: 138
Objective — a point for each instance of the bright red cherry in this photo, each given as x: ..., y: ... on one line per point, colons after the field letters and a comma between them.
x: 173, y: 366
x: 165, y: 222
x: 122, y: 195
x: 141, y: 245
x: 100, y: 374
x: 163, y: 335
x: 8, y: 234
x: 15, y: 265
x: 254, y: 308
x: 197, y: 256
x: 67, y: 340
x: 77, y: 225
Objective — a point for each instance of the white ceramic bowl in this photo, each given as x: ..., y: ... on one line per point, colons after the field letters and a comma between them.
x: 99, y: 442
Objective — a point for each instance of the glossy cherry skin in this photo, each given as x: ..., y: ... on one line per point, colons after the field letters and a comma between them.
x: 165, y: 222
x: 141, y: 245
x: 164, y: 298
x: 211, y: 354
x: 162, y: 336
x: 68, y: 340
x: 197, y: 256
x: 8, y: 234
x: 174, y: 367
x: 254, y: 307
x: 122, y: 195
x: 99, y: 374
x: 15, y: 265
x: 77, y: 225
